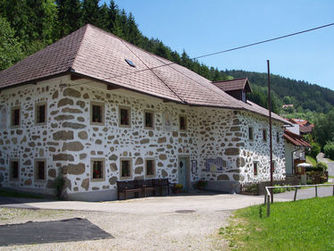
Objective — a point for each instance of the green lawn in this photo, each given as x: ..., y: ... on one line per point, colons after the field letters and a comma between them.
x: 311, y: 160
x: 300, y: 225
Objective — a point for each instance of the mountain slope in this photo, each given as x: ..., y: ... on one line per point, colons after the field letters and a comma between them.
x: 303, y: 95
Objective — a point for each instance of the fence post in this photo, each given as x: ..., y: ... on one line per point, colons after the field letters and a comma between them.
x: 295, y: 197
x: 316, y: 191
x: 333, y: 190
x: 265, y: 196
x: 268, y: 206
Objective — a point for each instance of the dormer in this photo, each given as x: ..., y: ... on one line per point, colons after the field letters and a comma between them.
x: 237, y: 88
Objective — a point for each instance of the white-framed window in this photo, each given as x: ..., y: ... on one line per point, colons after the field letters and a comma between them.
x: 183, y: 123
x: 40, y: 113
x: 255, y: 167
x: 14, y: 170
x: 40, y: 169
x: 126, y: 168
x: 124, y: 116
x: 264, y: 135
x: 250, y: 133
x: 97, y: 113
x: 149, y: 119
x: 149, y: 168
x: 15, y: 116
x: 97, y: 168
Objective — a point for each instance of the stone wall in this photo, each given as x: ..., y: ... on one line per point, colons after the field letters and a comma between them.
x: 68, y: 141
x: 257, y: 150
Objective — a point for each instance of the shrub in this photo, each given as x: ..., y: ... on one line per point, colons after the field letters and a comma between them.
x: 315, y: 149
x: 321, y: 166
x: 59, y: 185
x: 201, y: 184
x: 329, y: 150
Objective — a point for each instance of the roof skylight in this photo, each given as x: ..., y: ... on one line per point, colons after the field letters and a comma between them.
x: 130, y: 62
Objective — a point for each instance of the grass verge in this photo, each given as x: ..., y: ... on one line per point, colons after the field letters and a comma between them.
x: 301, y: 225
x: 311, y: 160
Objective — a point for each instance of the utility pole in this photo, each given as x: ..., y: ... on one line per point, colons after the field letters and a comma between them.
x: 270, y: 135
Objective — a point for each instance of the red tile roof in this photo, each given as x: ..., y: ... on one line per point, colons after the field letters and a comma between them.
x: 100, y: 55
x: 234, y: 84
x: 295, y: 139
x: 304, y: 126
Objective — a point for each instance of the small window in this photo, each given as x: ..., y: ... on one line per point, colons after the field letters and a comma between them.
x: 183, y: 123
x: 97, y: 113
x: 125, y: 168
x: 277, y: 137
x: 150, y: 168
x: 264, y: 134
x: 14, y: 170
x: 255, y: 168
x: 15, y: 116
x: 40, y: 113
x: 124, y: 116
x: 97, y: 169
x: 40, y: 170
x: 149, y: 118
x: 250, y: 133
x: 274, y: 166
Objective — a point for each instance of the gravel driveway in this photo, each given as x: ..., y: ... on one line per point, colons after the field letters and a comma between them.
x: 154, y: 223
x: 187, y: 222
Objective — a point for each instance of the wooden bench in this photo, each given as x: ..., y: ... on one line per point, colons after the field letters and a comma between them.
x: 142, y: 187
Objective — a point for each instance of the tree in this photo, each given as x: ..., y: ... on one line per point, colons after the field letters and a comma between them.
x: 10, y: 47
x: 324, y: 128
x: 69, y: 16
x: 104, y: 21
x: 113, y: 14
x: 91, y: 11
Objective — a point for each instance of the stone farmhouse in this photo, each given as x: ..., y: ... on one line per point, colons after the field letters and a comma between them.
x: 96, y: 109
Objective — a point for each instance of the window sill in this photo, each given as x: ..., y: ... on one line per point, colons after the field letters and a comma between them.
x: 98, y: 180
x: 97, y: 123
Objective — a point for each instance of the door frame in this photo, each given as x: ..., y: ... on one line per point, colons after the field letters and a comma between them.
x: 187, y: 157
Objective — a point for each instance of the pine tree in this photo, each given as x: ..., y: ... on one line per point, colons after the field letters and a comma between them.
x: 113, y: 13
x: 103, y: 21
x: 91, y: 11
x: 69, y: 16
x: 134, y: 35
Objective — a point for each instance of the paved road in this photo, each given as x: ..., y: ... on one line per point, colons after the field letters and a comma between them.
x: 330, y: 164
x: 304, y: 194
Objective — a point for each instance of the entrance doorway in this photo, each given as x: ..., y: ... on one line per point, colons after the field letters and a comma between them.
x: 183, y: 172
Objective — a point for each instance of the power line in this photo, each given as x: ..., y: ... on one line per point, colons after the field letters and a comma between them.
x: 264, y: 41
x: 228, y: 50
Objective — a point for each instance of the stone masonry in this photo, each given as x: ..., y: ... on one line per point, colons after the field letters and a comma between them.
x: 68, y: 141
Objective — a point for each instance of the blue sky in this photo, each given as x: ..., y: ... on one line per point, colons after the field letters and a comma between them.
x: 201, y: 27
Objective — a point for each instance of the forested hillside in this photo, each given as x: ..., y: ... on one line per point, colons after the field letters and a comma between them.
x: 27, y: 26
x: 303, y: 95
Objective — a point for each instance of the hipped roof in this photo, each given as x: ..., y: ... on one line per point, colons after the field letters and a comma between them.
x: 100, y: 55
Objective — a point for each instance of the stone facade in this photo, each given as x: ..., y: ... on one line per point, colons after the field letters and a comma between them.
x: 69, y: 141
